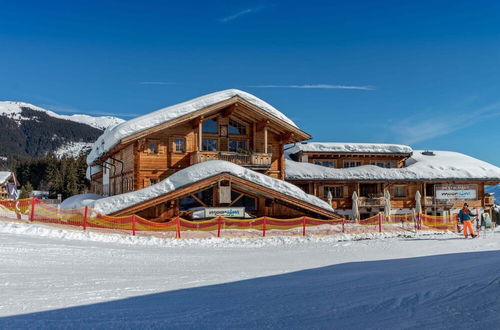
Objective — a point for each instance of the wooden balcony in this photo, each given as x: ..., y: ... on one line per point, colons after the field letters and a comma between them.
x: 371, y: 202
x: 254, y: 161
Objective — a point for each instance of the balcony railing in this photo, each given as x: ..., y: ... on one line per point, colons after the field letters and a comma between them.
x: 255, y: 160
x: 374, y: 201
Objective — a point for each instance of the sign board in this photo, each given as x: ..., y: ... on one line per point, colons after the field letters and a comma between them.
x: 225, y: 212
x: 455, y: 192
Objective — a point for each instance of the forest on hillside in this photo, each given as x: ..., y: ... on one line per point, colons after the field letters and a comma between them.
x: 65, y: 176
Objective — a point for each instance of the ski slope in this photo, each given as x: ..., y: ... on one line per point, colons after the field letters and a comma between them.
x: 55, y: 279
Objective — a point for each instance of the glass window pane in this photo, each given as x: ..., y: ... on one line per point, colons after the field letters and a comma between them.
x: 236, y: 128
x: 209, y: 145
x: 209, y: 126
x: 179, y: 145
x: 237, y: 146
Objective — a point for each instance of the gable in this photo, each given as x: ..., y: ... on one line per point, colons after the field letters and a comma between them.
x: 187, y: 111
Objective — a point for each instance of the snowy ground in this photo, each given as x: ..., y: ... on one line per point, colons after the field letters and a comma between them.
x: 51, y: 278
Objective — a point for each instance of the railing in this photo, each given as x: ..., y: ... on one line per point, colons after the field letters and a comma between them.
x: 367, y: 201
x: 428, y: 201
x: 256, y: 160
x: 34, y: 210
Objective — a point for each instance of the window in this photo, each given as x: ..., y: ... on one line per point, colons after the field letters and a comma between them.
x: 153, y: 181
x: 399, y: 191
x: 429, y: 189
x: 351, y: 164
x: 180, y: 145
x: 153, y: 148
x: 209, y: 126
x: 209, y: 145
x: 237, y: 146
x: 206, y: 196
x: 368, y: 190
x: 390, y: 164
x: 327, y: 164
x: 248, y: 202
x: 336, y: 191
x: 380, y: 164
x: 236, y: 128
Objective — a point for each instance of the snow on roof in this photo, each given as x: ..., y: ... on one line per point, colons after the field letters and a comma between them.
x: 444, y: 165
x: 4, y: 176
x: 197, y: 173
x: 375, y: 148
x: 78, y: 201
x: 112, y: 137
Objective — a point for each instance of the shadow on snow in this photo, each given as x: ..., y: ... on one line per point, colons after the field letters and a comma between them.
x: 444, y: 291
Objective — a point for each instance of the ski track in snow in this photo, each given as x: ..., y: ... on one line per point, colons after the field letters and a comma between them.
x: 52, y: 278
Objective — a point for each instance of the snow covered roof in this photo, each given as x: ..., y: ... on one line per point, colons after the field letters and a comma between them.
x: 78, y: 201
x: 444, y: 165
x: 4, y: 176
x: 372, y: 148
x: 197, y: 173
x: 113, y: 136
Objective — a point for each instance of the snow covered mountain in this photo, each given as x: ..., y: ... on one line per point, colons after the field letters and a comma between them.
x: 28, y: 131
x: 14, y: 110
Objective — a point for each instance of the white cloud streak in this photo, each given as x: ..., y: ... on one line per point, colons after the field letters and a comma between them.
x: 318, y: 86
x: 241, y: 13
x: 430, y: 124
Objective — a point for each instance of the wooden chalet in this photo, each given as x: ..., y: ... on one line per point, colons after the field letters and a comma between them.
x: 234, y: 127
x: 230, y: 126
x: 7, y: 178
x: 395, y: 168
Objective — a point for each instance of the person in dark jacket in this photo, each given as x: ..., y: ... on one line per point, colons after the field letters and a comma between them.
x: 465, y: 216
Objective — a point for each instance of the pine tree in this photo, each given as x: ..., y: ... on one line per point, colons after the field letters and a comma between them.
x: 26, y: 190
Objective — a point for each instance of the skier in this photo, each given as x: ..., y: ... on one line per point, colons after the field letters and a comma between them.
x: 465, y: 215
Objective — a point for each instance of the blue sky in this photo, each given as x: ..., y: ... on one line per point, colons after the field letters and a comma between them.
x: 424, y: 73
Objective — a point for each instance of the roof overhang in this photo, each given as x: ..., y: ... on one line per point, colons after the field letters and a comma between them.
x: 202, y: 184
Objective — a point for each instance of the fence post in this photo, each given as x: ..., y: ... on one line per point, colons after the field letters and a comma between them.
x: 343, y: 225
x: 304, y: 226
x: 379, y: 222
x: 133, y: 224
x: 32, y: 212
x: 264, y: 227
x: 178, y: 232
x: 85, y: 214
x: 218, y: 226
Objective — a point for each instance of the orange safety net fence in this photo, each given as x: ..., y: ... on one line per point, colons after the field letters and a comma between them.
x: 34, y: 210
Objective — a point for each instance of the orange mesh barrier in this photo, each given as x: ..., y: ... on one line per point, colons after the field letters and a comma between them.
x: 15, y: 210
x: 431, y: 222
x: 87, y: 219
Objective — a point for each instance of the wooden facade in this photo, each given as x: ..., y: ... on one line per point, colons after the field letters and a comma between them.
x: 371, y: 200
x: 234, y: 130
x: 3, y: 186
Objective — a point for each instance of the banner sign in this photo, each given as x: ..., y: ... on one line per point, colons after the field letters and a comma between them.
x: 225, y: 212
x: 456, y: 192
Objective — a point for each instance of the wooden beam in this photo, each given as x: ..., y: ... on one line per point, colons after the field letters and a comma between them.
x: 237, y: 199
x: 198, y: 200
x: 229, y: 110
x: 262, y: 124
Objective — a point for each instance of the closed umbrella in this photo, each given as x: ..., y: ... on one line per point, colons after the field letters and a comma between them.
x: 329, y: 197
x: 355, y: 209
x: 387, y: 203
x: 418, y: 202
